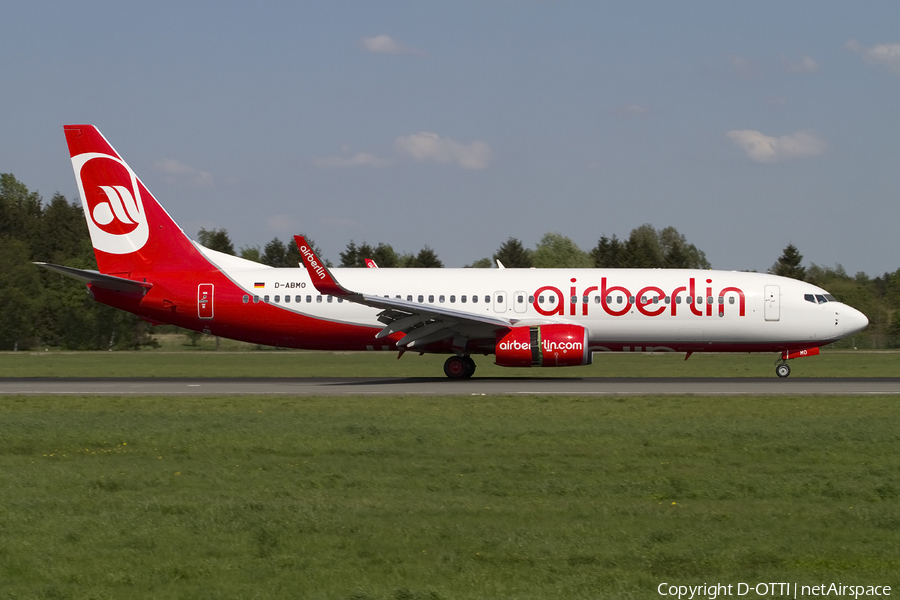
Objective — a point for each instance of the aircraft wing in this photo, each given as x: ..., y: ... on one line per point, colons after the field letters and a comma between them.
x: 97, y: 279
x: 422, y: 323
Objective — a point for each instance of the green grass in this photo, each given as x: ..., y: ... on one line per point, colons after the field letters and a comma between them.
x: 377, y: 364
x: 454, y: 497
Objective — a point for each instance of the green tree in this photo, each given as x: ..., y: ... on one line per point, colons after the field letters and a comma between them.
x: 216, y: 239
x: 789, y: 264
x: 481, y: 263
x: 609, y: 253
x: 557, y: 251
x: 20, y: 295
x: 514, y: 255
x: 425, y: 259
x: 251, y: 253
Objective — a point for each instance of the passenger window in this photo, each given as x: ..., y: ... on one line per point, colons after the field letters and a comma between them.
x: 475, y: 298
x: 573, y: 300
x: 596, y: 299
x: 709, y: 300
x: 487, y: 299
x: 319, y: 298
x: 441, y: 298
x: 340, y: 300
x: 630, y: 299
x: 255, y: 299
x: 409, y: 298
x: 462, y: 298
x: 619, y: 299
x: 277, y: 298
x: 430, y: 298
x: 309, y: 299
x: 452, y: 298
x: 246, y: 298
x: 677, y: 299
x: 287, y: 299
x: 519, y: 299
x: 699, y: 299
x: 266, y: 298
x: 721, y: 300
x: 298, y: 299
x: 540, y: 299
x: 530, y: 299
x: 499, y: 299
x: 667, y: 300
x: 730, y: 299
x: 330, y: 298
x: 421, y: 298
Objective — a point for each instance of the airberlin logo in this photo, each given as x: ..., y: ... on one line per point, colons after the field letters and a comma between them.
x: 650, y: 301
x: 547, y: 345
x: 111, y: 197
x: 313, y: 263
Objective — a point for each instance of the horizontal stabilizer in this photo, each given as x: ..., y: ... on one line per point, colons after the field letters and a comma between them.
x: 97, y: 279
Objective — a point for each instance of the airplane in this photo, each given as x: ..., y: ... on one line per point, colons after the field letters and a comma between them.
x: 523, y: 317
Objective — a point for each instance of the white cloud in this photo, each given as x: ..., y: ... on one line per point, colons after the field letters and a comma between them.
x: 385, y: 44
x: 745, y: 68
x: 887, y: 55
x: 430, y: 147
x: 769, y: 149
x: 805, y: 65
x: 178, y: 173
x: 360, y: 159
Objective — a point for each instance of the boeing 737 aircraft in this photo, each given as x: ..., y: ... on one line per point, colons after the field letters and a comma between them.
x: 524, y: 317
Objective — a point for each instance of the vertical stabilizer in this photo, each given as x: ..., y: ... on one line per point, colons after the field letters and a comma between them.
x: 132, y: 234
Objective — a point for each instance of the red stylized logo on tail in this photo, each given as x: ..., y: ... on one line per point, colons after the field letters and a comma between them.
x: 111, y: 195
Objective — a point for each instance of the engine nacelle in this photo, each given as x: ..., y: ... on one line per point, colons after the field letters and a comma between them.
x: 553, y: 345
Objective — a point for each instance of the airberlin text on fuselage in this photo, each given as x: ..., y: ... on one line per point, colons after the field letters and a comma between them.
x: 617, y: 300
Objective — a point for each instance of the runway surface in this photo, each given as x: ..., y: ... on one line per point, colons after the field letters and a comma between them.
x: 419, y: 386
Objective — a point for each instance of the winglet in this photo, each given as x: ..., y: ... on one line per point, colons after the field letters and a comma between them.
x: 318, y: 272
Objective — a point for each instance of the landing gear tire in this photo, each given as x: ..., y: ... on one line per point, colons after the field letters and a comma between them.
x: 459, y: 367
x: 782, y: 370
x: 470, y: 366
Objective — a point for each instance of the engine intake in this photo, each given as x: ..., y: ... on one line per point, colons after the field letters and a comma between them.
x: 553, y: 345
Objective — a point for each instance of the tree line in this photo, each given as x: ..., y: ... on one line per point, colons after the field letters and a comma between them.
x: 39, y: 308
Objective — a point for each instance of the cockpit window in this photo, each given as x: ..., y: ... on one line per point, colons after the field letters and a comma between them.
x: 819, y: 298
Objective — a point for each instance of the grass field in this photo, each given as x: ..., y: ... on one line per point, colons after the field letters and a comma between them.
x: 274, y: 363
x: 443, y: 498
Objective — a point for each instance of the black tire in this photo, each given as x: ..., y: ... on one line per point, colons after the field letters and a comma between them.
x: 456, y: 367
x: 470, y: 366
x: 783, y: 370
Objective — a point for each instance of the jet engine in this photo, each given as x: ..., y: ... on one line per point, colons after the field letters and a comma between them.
x: 552, y: 345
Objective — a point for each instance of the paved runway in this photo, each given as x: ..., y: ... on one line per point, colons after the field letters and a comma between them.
x: 393, y: 386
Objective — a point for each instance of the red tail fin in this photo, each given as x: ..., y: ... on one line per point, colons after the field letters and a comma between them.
x: 132, y: 234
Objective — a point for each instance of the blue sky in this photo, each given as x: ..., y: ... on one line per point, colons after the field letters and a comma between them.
x: 747, y: 126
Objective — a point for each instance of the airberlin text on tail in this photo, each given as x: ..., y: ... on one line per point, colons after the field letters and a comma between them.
x: 131, y: 233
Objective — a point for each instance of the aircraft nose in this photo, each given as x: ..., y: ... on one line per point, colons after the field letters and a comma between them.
x: 854, y: 321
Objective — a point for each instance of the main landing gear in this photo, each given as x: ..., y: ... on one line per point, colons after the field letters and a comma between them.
x: 459, y: 367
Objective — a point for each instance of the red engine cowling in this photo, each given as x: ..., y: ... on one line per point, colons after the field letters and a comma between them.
x: 553, y: 345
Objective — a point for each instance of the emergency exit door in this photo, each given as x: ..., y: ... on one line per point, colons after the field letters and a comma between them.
x: 773, y: 303
x: 205, y: 301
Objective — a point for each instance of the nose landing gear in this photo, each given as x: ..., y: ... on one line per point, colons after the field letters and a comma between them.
x: 459, y: 367
x: 782, y: 370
